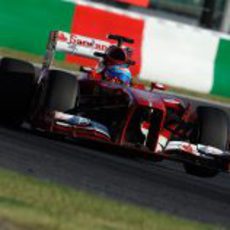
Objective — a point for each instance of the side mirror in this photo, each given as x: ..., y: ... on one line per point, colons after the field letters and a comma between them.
x: 158, y: 86
x: 85, y: 69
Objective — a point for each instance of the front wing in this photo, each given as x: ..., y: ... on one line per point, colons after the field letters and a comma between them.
x: 78, y: 127
x: 198, y: 154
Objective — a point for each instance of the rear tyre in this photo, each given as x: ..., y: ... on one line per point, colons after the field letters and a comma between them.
x: 62, y: 92
x: 213, y: 130
x: 17, y: 79
x: 15, y: 65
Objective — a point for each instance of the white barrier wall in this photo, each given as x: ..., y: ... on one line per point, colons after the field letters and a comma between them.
x: 178, y: 55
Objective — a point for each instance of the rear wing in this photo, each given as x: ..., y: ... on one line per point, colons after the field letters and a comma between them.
x: 74, y: 44
x: 78, y: 44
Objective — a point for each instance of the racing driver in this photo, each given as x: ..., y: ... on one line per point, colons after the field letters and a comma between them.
x: 114, y: 66
x: 118, y: 74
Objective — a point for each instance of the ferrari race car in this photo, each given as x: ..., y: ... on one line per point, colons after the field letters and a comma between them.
x: 88, y: 106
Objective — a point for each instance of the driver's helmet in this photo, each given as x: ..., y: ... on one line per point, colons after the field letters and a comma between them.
x: 115, y: 56
x: 118, y: 74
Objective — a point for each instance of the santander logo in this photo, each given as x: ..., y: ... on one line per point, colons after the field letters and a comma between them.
x: 86, y: 42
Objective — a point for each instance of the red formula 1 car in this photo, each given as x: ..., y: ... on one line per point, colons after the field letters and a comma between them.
x: 132, y: 117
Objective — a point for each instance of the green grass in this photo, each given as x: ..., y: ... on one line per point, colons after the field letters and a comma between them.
x: 74, y: 67
x: 27, y: 203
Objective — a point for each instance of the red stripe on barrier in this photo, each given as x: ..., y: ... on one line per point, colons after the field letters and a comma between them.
x: 98, y: 23
x: 143, y: 3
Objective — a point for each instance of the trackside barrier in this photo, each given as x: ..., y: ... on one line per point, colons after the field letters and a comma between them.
x: 186, y: 56
x: 165, y: 51
x: 172, y: 53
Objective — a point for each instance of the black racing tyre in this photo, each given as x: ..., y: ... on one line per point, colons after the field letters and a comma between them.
x: 62, y: 91
x: 15, y: 65
x: 16, y: 91
x: 213, y: 130
x: 213, y: 127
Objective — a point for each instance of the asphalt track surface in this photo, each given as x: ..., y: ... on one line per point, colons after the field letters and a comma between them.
x: 160, y: 186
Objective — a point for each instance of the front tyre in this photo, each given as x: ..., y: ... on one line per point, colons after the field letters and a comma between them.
x: 212, y: 130
x: 62, y: 92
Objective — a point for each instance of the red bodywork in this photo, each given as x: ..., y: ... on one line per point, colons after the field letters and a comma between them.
x: 130, y: 117
x: 103, y: 101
